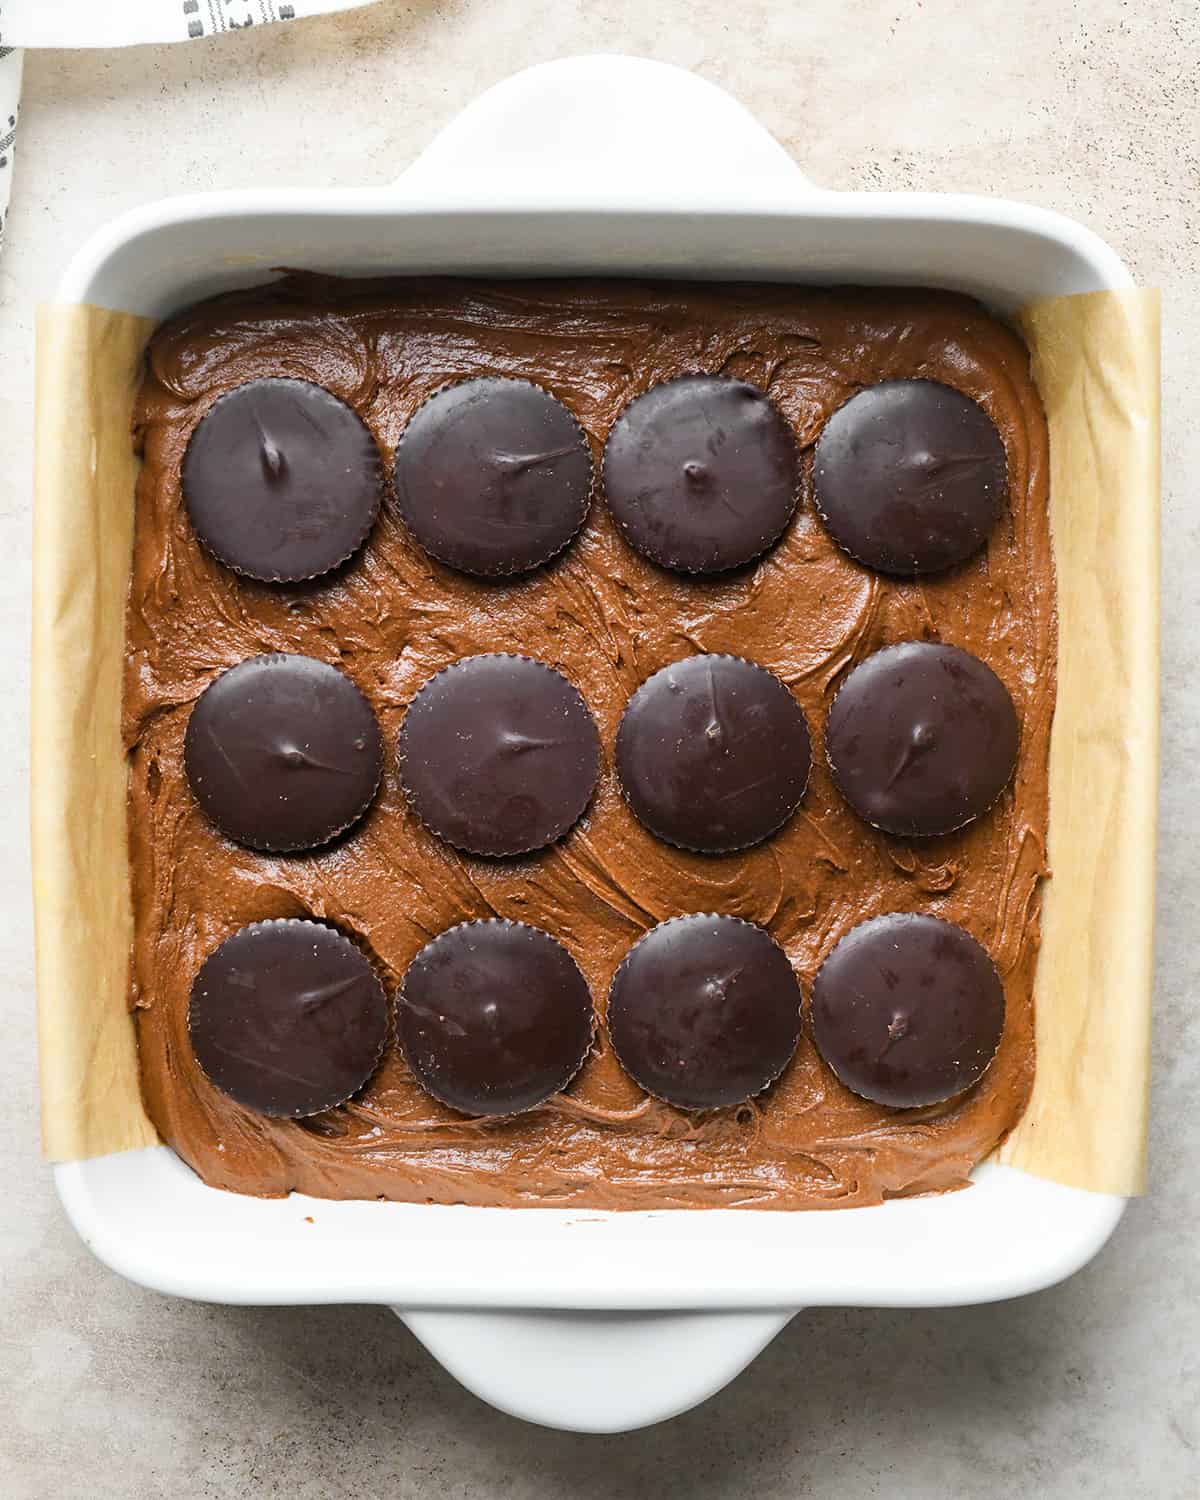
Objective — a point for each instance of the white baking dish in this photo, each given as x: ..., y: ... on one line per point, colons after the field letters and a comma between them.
x: 608, y: 165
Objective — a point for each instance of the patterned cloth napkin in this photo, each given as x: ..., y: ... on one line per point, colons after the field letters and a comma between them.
x: 119, y: 23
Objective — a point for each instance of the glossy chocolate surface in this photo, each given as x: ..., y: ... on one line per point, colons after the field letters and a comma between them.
x: 283, y: 752
x: 494, y: 1017
x: 704, y: 1011
x: 493, y: 476
x: 499, y: 754
x: 713, y: 753
x: 701, y: 473
x: 910, y: 476
x: 282, y: 481
x: 287, y: 1018
x: 908, y: 1010
x: 922, y: 738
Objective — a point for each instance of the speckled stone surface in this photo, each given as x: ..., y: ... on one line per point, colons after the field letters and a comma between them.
x: 1091, y: 1389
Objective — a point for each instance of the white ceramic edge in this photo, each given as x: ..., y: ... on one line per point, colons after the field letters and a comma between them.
x: 600, y: 1261
x: 736, y: 201
x: 496, y: 159
x: 579, y: 1288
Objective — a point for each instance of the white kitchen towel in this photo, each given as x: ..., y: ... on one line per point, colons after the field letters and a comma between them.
x: 119, y: 23
x: 10, y: 108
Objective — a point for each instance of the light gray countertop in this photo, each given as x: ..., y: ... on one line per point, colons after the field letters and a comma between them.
x: 1091, y: 1389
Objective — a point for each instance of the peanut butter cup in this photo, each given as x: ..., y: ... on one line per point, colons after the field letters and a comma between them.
x: 283, y: 752
x: 704, y: 1011
x: 908, y: 1010
x: 701, y: 473
x: 494, y: 1017
x: 281, y: 480
x: 922, y: 738
x: 287, y: 1017
x: 909, y: 476
x: 713, y: 753
x: 499, y: 754
x: 493, y: 476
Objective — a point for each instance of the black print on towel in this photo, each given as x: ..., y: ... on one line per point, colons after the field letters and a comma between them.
x: 207, y: 17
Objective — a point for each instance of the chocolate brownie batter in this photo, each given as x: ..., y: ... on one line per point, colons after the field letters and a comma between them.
x: 608, y: 619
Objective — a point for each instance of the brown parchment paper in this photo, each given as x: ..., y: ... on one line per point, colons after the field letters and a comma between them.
x: 1095, y: 360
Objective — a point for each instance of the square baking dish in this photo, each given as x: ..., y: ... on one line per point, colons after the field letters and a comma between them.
x: 612, y: 166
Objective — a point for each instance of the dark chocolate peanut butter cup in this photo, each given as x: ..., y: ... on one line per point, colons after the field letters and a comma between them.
x: 493, y: 476
x: 713, y: 753
x: 704, y: 1011
x: 908, y: 1010
x: 283, y: 752
x: 701, y: 473
x: 281, y: 480
x: 288, y: 1018
x: 499, y: 754
x: 494, y: 1017
x: 922, y: 738
x: 909, y: 476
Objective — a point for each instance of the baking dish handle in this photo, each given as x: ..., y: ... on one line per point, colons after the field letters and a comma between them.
x: 594, y: 1371
x: 604, y: 126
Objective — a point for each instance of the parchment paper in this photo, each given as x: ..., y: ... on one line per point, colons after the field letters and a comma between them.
x: 1095, y: 360
x: 84, y: 478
